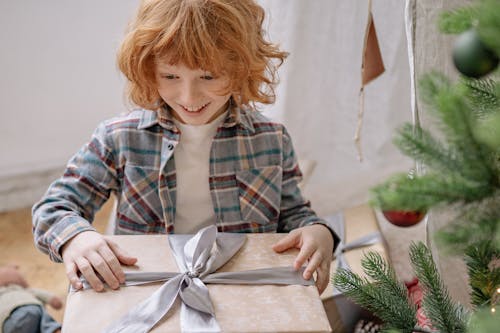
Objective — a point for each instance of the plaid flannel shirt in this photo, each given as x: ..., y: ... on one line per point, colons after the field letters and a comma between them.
x: 253, y: 180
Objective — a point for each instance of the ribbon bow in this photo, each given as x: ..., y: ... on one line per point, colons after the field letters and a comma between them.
x: 337, y: 223
x: 197, y: 257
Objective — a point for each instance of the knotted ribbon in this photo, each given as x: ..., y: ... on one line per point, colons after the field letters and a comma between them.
x: 197, y: 257
x: 337, y: 223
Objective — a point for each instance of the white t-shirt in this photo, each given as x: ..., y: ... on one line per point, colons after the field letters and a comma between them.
x: 194, y: 208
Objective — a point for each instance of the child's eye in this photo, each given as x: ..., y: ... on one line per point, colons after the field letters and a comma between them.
x: 169, y: 76
x: 207, y: 77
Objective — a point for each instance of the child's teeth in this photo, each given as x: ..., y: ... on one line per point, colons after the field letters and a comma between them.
x: 192, y: 109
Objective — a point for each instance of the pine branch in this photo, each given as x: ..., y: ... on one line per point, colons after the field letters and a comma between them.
x: 472, y: 223
x: 457, y: 124
x: 457, y: 20
x: 484, y: 321
x: 383, y: 274
x: 483, y: 15
x: 458, y: 128
x: 421, y: 193
x: 488, y: 23
x: 394, y: 310
x: 482, y: 93
x: 425, y: 148
x: 484, y: 277
x: 444, y: 315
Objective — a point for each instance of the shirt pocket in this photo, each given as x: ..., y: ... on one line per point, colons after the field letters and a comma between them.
x: 140, y: 202
x: 260, y: 194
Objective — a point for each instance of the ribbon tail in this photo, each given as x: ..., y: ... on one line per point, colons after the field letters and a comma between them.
x: 194, y: 321
x: 367, y: 240
x: 142, y: 318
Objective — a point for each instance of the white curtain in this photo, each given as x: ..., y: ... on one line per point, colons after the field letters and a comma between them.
x: 317, y: 98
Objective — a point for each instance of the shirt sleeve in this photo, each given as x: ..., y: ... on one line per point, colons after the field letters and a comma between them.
x: 69, y: 205
x: 295, y: 210
x: 43, y: 295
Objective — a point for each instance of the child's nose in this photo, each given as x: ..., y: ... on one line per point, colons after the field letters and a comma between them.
x: 190, y: 93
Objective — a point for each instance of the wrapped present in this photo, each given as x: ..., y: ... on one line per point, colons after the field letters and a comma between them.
x: 359, y: 232
x: 214, y: 282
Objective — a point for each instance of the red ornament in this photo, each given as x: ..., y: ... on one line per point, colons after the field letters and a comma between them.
x: 403, y: 218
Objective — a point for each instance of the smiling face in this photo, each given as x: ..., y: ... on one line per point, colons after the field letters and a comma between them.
x: 194, y: 95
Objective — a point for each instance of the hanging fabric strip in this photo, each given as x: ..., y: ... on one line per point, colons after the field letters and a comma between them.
x: 372, y: 67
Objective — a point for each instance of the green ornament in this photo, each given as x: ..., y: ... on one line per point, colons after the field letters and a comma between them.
x: 471, y: 57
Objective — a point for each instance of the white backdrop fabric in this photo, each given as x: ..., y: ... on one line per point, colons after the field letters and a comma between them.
x: 317, y: 98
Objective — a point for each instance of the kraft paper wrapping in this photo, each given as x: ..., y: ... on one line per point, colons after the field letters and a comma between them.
x: 238, y: 308
x: 343, y: 313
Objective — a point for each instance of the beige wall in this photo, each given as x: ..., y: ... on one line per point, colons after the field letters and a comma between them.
x: 58, y: 79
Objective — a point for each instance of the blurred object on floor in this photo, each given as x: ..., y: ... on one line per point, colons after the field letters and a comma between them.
x: 17, y: 247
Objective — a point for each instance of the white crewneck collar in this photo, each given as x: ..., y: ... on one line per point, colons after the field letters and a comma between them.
x: 199, y: 132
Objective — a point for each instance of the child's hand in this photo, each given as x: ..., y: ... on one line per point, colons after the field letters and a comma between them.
x: 89, y: 253
x: 316, y: 245
x: 56, y: 302
x: 9, y: 274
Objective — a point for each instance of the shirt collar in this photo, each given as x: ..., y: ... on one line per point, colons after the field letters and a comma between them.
x: 164, y: 118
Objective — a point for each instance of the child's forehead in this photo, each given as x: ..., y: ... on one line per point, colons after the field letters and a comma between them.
x: 166, y: 63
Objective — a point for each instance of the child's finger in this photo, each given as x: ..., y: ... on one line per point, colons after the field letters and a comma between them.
x: 322, y: 276
x: 71, y: 273
x: 305, y: 253
x: 287, y: 242
x: 113, y: 263
x: 85, y: 267
x: 101, y: 266
x: 314, y: 262
x: 121, y: 254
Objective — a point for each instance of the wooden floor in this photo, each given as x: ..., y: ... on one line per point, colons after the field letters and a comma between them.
x: 17, y: 246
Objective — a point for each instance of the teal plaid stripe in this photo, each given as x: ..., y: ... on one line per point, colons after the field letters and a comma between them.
x: 253, y: 179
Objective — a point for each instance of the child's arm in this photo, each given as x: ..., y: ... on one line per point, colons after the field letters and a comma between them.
x: 61, y: 220
x: 47, y: 297
x: 308, y: 232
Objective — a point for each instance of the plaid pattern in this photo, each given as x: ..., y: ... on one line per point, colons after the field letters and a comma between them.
x: 253, y: 180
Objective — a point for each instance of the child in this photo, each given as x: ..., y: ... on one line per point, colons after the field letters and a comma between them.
x: 196, y: 153
x: 22, y: 308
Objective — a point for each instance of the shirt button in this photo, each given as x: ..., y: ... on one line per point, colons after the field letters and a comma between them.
x: 170, y: 146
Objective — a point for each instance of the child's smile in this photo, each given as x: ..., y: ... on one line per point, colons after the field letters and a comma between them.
x: 193, y: 94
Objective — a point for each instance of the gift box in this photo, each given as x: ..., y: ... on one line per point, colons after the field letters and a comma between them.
x: 238, y: 307
x: 359, y: 232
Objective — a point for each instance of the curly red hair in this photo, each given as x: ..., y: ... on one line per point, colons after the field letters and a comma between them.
x: 220, y: 36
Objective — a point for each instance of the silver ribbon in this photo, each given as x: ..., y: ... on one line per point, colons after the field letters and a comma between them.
x: 197, y: 257
x: 337, y: 223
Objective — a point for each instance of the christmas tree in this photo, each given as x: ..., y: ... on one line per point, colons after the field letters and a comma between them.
x: 461, y: 172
